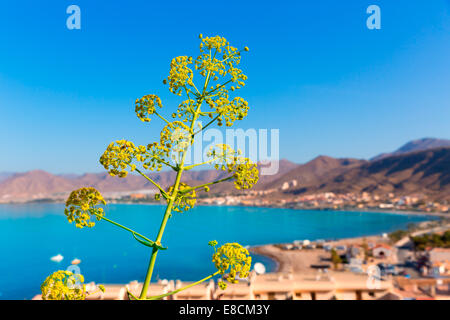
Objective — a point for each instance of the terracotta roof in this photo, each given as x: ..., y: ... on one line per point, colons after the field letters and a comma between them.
x: 383, y: 245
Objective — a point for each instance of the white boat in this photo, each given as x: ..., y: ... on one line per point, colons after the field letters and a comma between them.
x: 58, y: 258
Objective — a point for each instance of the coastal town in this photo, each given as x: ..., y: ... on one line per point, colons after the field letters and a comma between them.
x: 327, y: 200
x: 411, y: 264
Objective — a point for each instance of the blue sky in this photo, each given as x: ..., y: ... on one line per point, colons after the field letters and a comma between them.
x: 315, y: 71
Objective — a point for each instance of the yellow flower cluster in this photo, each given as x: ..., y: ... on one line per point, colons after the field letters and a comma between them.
x: 152, y: 159
x: 185, y: 200
x: 209, y: 43
x: 223, y: 155
x: 246, y: 174
x: 229, y: 111
x: 81, y: 206
x: 180, y: 74
x: 232, y: 58
x: 176, y: 133
x: 63, y: 285
x: 118, y: 156
x: 208, y: 61
x: 177, y: 137
x: 185, y: 110
x: 231, y: 257
x: 220, y: 60
x: 146, y: 106
x: 212, y: 243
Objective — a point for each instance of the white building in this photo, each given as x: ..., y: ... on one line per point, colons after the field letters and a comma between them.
x: 382, y: 251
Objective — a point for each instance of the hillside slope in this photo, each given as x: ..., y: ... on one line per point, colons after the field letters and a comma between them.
x: 416, y: 145
x: 426, y: 172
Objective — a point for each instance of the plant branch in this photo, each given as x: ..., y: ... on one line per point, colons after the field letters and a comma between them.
x: 199, y: 164
x: 123, y: 227
x: 164, y: 119
x: 206, y: 184
x: 165, y: 195
x: 219, y: 87
x: 208, y: 124
x: 184, y: 288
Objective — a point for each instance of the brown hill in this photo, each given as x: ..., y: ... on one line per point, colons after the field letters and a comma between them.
x: 33, y: 183
x: 416, y: 145
x: 5, y: 175
x: 426, y: 172
x: 312, y: 173
x: 264, y: 181
x: 39, y: 184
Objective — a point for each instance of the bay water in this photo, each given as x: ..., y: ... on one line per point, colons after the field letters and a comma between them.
x: 30, y: 234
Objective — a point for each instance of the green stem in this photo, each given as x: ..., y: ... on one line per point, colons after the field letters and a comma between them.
x: 148, y: 276
x: 217, y: 88
x: 167, y: 214
x: 172, y: 198
x: 154, y: 183
x: 164, y: 119
x: 184, y: 288
x: 206, y: 184
x: 199, y: 164
x: 208, y: 124
x: 123, y: 227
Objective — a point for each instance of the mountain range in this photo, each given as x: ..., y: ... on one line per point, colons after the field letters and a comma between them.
x: 420, y: 172
x: 420, y: 166
x: 416, y: 145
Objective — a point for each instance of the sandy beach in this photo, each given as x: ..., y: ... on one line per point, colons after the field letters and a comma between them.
x: 291, y: 260
x: 300, y: 261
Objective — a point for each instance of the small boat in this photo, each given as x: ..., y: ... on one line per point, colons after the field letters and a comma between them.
x: 76, y: 261
x: 58, y: 258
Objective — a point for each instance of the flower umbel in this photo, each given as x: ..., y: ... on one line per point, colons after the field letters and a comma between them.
x: 219, y: 58
x: 81, y: 206
x: 119, y: 155
x: 180, y: 74
x: 154, y: 157
x: 177, y: 137
x: 246, y: 174
x: 186, y: 198
x: 212, y: 243
x: 63, y: 285
x: 185, y: 110
x: 146, y: 106
x: 231, y: 257
x: 229, y: 111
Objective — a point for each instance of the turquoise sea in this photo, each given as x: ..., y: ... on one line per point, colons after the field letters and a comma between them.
x: 30, y: 234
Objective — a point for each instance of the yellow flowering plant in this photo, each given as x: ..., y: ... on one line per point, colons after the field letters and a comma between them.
x: 65, y: 285
x: 218, y: 65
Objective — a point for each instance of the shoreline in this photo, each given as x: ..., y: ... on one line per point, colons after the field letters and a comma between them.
x: 261, y: 251
x: 283, y: 264
x: 403, y: 212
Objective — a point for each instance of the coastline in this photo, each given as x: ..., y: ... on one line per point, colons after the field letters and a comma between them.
x: 265, y: 252
x: 374, y: 210
x: 285, y: 263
